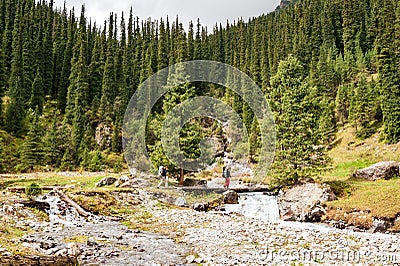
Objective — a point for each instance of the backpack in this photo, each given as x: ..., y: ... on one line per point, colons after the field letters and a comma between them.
x: 225, y: 172
x: 160, y: 170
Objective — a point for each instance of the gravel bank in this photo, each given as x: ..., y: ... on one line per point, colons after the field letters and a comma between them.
x: 220, y: 239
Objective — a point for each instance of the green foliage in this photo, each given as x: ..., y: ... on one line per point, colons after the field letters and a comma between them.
x: 348, y: 73
x: 297, y: 151
x: 362, y: 109
x: 97, y: 161
x: 33, y: 190
x: 32, y: 149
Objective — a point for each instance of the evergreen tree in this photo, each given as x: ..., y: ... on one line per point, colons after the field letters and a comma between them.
x: 66, y: 65
x: 343, y: 104
x: 52, y: 145
x: 59, y: 47
x: 10, y: 14
x: 37, y: 97
x: 2, y: 84
x: 15, y: 113
x: 361, y: 111
x: 389, y: 74
x: 109, y: 84
x: 32, y: 148
x: 296, y: 154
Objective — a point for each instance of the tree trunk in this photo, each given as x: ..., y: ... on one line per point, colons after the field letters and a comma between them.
x: 181, y: 178
x: 72, y: 203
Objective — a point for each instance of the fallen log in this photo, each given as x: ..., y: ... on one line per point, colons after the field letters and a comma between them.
x: 72, y: 203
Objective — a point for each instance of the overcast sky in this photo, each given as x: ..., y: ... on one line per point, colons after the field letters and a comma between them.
x: 209, y: 11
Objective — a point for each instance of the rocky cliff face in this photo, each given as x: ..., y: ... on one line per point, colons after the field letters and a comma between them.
x: 285, y: 3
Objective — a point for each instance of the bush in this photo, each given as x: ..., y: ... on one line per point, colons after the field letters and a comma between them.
x: 97, y: 162
x: 33, y: 190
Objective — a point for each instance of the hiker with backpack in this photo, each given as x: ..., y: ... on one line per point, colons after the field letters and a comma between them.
x: 162, y: 174
x: 226, y: 173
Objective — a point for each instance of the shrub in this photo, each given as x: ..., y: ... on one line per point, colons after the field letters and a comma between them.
x: 33, y: 190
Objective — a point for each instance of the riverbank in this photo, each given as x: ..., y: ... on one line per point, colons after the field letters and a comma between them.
x: 220, y: 239
x: 143, y: 227
x: 179, y: 236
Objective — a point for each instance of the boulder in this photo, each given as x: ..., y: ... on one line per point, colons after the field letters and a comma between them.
x: 190, y: 259
x: 121, y: 180
x: 378, y: 226
x: 106, y: 181
x: 304, y: 202
x: 181, y: 202
x: 230, y: 197
x: 315, y: 214
x: 379, y: 171
x: 200, y: 207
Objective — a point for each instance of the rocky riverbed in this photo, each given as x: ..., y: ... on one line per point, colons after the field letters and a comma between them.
x: 181, y: 236
x: 220, y: 239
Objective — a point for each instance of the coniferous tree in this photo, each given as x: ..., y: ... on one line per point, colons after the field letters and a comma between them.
x: 389, y: 74
x: 109, y: 86
x: 32, y: 149
x: 66, y: 66
x: 52, y: 152
x: 361, y: 113
x: 2, y: 84
x: 10, y: 13
x: 343, y: 104
x: 47, y: 54
x: 79, y: 119
x: 59, y: 47
x: 15, y: 113
x: 296, y: 154
x: 96, y: 70
x: 37, y: 97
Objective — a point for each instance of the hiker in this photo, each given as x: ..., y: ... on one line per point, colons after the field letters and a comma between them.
x: 162, y: 173
x: 226, y: 173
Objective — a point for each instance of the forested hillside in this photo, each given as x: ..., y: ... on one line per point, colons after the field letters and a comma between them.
x: 65, y: 82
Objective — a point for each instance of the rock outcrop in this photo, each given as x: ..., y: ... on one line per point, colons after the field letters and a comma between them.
x: 121, y: 180
x: 230, y: 197
x: 379, y: 171
x: 305, y: 202
x: 181, y: 202
x: 106, y: 181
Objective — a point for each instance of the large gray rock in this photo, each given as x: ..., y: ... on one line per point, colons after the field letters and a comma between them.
x: 382, y: 170
x: 305, y: 202
x: 378, y: 226
x: 181, y: 202
x: 106, y: 181
x: 121, y: 180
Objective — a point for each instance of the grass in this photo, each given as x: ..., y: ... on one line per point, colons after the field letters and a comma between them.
x: 53, y: 179
x: 381, y: 198
x: 77, y: 239
x: 343, y: 170
x: 360, y: 201
x: 350, y: 154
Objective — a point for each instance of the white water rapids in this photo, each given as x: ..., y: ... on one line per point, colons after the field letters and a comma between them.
x: 265, y: 208
x: 256, y: 205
